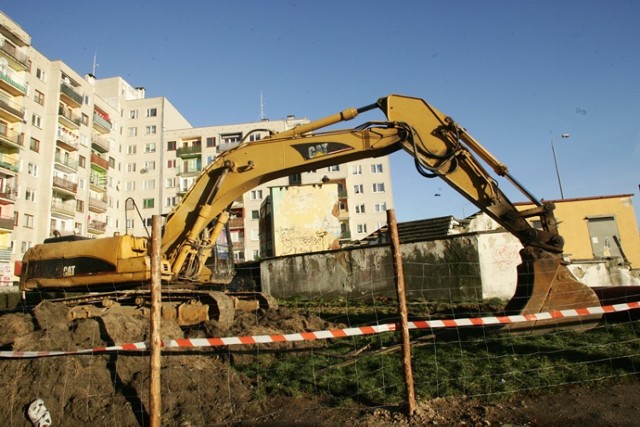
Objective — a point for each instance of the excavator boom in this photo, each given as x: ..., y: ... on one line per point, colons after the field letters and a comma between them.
x: 440, y: 148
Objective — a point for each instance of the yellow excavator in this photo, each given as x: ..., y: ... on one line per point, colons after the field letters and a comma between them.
x: 115, y: 271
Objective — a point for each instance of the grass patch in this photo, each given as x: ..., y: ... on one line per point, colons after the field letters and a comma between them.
x: 363, y: 369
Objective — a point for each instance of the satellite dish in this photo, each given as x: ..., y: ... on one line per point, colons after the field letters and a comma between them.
x: 143, y: 171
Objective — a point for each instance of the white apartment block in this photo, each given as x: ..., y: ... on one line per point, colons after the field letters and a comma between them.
x: 95, y: 157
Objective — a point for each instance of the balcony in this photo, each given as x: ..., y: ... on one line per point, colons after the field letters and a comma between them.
x: 97, y: 205
x: 101, y: 124
x: 10, y: 111
x: 99, y: 162
x: 65, y: 185
x: 189, y: 170
x: 61, y: 209
x: 66, y: 139
x: 98, y: 182
x: 8, y: 164
x: 70, y: 96
x: 17, y: 59
x: 97, y: 227
x: 99, y: 143
x: 192, y: 151
x: 10, y: 139
x: 6, y: 223
x: 67, y: 118
x: 8, y: 196
x: 64, y: 163
x: 5, y: 254
x: 12, y: 83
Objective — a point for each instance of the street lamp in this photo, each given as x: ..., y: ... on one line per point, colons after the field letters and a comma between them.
x: 555, y: 161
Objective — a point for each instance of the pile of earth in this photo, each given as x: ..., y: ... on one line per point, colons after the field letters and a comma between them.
x: 199, y: 387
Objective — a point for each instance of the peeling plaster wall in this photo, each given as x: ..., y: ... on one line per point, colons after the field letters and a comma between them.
x: 445, y: 270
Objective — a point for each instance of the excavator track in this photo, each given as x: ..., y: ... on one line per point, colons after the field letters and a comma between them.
x: 187, y: 307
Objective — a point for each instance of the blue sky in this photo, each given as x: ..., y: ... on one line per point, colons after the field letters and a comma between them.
x: 515, y: 74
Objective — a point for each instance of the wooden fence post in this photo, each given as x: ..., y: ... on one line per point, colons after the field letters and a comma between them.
x: 155, y: 401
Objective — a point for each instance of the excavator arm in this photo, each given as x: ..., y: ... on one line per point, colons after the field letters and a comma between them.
x: 440, y: 148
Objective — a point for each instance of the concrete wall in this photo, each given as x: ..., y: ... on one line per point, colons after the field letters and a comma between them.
x: 445, y: 270
x: 468, y: 267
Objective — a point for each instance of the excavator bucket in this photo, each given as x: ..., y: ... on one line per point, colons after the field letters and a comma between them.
x: 545, y: 285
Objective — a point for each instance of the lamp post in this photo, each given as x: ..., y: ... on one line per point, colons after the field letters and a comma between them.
x: 555, y: 161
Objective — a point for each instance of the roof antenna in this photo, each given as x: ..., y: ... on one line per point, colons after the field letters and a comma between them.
x: 262, y: 117
x: 95, y: 64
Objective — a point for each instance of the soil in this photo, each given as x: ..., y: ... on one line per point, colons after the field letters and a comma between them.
x: 199, y: 389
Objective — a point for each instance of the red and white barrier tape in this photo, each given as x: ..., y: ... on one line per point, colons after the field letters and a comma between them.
x: 338, y: 333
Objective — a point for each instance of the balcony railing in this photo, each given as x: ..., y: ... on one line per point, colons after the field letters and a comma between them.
x: 70, y: 118
x: 6, y: 223
x: 5, y: 254
x: 65, y: 184
x: 236, y: 222
x: 8, y: 163
x: 97, y: 205
x: 99, y: 143
x: 18, y: 56
x: 71, y: 94
x: 193, y: 150
x: 189, y: 170
x: 11, y: 136
x: 11, y: 107
x: 99, y: 161
x: 68, y: 138
x: 68, y: 163
x: 97, y: 226
x: 8, y: 194
x: 101, y: 124
x: 16, y: 85
x: 60, y: 207
x: 98, y: 180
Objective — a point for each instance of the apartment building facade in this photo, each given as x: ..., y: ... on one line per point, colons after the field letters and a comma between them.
x: 88, y: 156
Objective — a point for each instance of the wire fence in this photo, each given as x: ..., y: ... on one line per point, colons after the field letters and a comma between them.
x: 322, y: 356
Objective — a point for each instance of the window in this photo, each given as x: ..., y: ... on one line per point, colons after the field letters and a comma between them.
x: 211, y: 141
x: 34, y: 145
x: 150, y: 165
x: 171, y: 163
x: 171, y: 201
x: 36, y: 120
x: 38, y: 97
x: 356, y: 170
x: 149, y: 184
x: 130, y: 186
x: 28, y: 221
x: 255, y: 137
x: 131, y: 167
x: 30, y: 195
x: 255, y: 235
x: 150, y: 130
x: 32, y: 169
x: 112, y: 163
x: 380, y: 207
x: 360, y: 208
x: 377, y: 168
x: 84, y: 119
x: 358, y: 189
x: 82, y: 161
x: 295, y: 179
x: 378, y: 187
x: 130, y: 223
x: 256, y: 195
x: 41, y: 75
x: 79, y: 205
x: 231, y: 138
x: 255, y: 214
x: 25, y: 246
x: 152, y: 112
x: 171, y: 146
x: 132, y: 131
x: 170, y: 183
x: 133, y: 114
x: 147, y: 203
x: 362, y: 228
x: 605, y: 237
x: 150, y: 147
x: 334, y: 168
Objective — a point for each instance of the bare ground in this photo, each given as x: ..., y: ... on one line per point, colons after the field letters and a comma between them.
x: 199, y: 389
